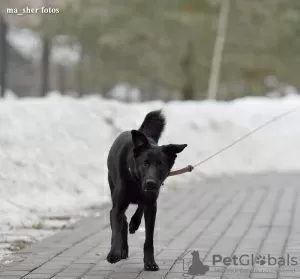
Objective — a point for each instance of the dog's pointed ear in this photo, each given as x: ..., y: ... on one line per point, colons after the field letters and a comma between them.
x: 171, y: 151
x: 174, y: 148
x: 140, y: 141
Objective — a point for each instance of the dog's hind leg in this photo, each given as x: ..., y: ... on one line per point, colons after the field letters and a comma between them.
x: 136, y: 219
x: 150, y: 216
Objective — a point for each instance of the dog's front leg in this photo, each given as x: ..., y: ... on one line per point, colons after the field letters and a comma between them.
x: 150, y: 216
x: 119, y: 226
x: 136, y: 219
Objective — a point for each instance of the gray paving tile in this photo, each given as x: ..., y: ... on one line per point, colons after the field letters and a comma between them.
x: 228, y: 216
x: 38, y: 276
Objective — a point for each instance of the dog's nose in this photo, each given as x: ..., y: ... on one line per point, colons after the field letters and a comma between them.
x: 151, y: 185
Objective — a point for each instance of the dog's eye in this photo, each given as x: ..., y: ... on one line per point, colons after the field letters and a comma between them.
x: 146, y: 163
x: 158, y: 163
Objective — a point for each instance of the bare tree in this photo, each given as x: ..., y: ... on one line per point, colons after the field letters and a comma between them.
x: 3, y: 54
x: 218, y: 50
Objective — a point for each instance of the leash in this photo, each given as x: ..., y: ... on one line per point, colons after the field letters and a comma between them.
x: 190, y: 168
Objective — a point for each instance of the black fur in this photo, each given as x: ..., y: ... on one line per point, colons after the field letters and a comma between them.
x: 137, y: 167
x: 153, y: 125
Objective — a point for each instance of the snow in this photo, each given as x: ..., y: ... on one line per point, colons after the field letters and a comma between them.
x: 53, y: 150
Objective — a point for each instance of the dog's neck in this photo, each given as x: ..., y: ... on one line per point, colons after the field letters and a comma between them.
x: 131, y: 168
x: 131, y: 172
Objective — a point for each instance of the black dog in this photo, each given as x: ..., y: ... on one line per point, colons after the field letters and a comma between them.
x: 137, y: 167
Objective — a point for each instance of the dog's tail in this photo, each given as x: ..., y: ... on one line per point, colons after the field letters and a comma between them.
x: 153, y: 125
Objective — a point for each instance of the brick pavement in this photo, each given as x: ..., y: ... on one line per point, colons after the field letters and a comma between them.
x: 241, y: 216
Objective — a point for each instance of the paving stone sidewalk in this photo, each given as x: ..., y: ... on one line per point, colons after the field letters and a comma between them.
x: 241, y: 217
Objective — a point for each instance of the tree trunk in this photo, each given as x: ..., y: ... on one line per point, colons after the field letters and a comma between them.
x: 61, y: 71
x: 218, y: 50
x: 3, y: 54
x: 45, y: 66
x: 188, y: 91
x: 80, y: 73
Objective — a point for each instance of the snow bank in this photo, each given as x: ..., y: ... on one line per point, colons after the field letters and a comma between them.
x: 53, y: 151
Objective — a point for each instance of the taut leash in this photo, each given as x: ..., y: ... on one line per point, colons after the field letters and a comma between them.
x: 190, y: 168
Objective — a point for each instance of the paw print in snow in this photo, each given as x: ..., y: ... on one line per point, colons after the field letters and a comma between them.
x: 261, y: 260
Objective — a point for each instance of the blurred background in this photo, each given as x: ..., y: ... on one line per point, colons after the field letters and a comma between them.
x: 138, y: 50
x: 82, y: 55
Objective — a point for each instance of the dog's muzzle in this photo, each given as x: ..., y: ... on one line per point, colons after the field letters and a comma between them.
x: 151, y: 186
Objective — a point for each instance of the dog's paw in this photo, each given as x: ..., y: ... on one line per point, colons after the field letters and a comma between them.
x: 114, y: 256
x: 134, y: 225
x: 151, y: 266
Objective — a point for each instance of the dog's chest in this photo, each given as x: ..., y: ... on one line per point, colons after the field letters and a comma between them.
x: 134, y: 193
